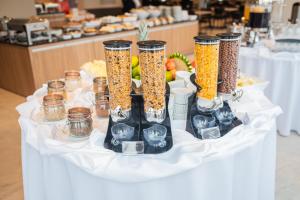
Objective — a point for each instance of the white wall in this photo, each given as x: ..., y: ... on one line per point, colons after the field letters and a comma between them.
x: 17, y: 8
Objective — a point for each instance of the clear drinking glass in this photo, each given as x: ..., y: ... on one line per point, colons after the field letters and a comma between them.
x: 155, y: 135
x: 152, y: 62
x: 118, y: 66
x: 121, y: 132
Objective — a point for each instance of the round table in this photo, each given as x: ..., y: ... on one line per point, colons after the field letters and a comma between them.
x: 282, y: 70
x: 240, y: 165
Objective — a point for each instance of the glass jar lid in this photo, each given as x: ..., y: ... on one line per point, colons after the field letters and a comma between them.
x: 151, y: 44
x: 100, y: 79
x: 79, y: 113
x: 229, y: 36
x: 72, y: 73
x: 56, y: 84
x: 53, y: 99
x: 117, y: 44
x: 206, y: 39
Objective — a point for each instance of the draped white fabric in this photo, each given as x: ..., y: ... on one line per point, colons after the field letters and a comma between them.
x: 240, y: 165
x: 282, y: 70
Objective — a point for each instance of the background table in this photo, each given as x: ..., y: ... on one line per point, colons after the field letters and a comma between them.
x: 282, y: 70
x: 240, y: 165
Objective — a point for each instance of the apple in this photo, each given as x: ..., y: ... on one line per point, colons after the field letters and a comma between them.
x: 134, y: 61
x: 169, y: 76
x: 173, y: 74
x: 170, y: 64
x: 136, y: 71
x: 194, y: 64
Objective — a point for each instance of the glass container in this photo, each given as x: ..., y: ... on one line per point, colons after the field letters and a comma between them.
x: 155, y: 135
x: 118, y: 67
x: 260, y: 15
x: 80, y: 121
x: 207, y: 58
x: 54, y: 107
x: 228, y: 62
x: 152, y: 63
x: 101, y: 104
x: 57, y: 87
x: 99, y: 84
x: 72, y: 80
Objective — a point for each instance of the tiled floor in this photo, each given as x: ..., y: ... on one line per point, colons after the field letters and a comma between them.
x: 288, y: 156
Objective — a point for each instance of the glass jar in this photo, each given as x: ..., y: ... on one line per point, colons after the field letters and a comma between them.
x: 101, y: 104
x: 153, y: 76
x: 228, y: 62
x: 57, y: 87
x: 207, y: 58
x: 80, y: 121
x: 260, y: 15
x: 54, y: 107
x: 99, y: 84
x: 118, y: 67
x: 72, y: 80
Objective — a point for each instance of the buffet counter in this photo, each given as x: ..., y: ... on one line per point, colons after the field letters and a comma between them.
x: 24, y: 69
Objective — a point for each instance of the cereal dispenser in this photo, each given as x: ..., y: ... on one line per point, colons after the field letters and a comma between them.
x: 207, y: 58
x: 152, y: 58
x: 118, y: 67
x: 228, y: 63
x: 140, y: 121
x: 208, y: 116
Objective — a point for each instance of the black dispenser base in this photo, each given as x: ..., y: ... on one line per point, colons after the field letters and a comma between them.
x: 139, y: 122
x: 193, y: 110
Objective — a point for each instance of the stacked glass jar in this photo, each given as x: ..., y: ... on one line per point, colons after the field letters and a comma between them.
x: 80, y: 122
x: 207, y: 58
x: 118, y: 67
x: 57, y: 87
x: 54, y: 107
x: 228, y: 62
x: 152, y: 62
x: 72, y: 80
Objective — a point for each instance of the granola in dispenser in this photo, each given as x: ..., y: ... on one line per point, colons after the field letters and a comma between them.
x: 152, y: 58
x: 118, y: 66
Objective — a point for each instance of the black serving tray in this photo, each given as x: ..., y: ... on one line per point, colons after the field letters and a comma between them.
x: 139, y: 122
x: 192, y: 111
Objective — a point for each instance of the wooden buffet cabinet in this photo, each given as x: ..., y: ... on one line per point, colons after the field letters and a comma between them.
x: 24, y: 69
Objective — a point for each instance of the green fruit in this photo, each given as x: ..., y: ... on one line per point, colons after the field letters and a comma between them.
x: 182, y: 62
x: 137, y: 77
x: 136, y: 71
x: 134, y: 61
x: 169, y: 76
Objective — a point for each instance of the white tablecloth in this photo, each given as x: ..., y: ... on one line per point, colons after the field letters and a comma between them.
x: 240, y: 165
x: 282, y: 70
